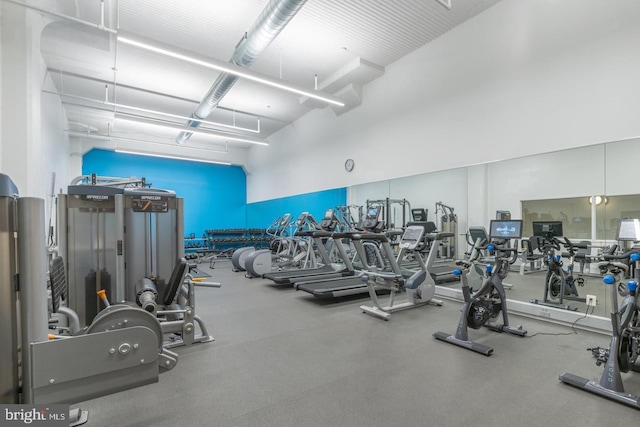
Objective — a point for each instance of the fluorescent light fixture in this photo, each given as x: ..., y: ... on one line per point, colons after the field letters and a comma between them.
x: 176, y: 116
x: 88, y: 135
x: 166, y: 156
x: 159, y: 113
x: 112, y: 137
x: 230, y: 68
x: 174, y: 126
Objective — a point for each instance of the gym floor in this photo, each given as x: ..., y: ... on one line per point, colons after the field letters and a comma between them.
x: 284, y: 358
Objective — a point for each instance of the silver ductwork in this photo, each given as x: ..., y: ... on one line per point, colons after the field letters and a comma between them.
x: 275, y: 16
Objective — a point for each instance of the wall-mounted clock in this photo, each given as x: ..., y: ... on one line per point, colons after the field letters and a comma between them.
x: 349, y: 164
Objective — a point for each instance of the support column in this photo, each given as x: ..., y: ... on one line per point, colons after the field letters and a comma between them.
x: 20, y: 96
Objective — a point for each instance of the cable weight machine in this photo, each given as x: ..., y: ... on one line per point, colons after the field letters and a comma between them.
x: 447, y: 222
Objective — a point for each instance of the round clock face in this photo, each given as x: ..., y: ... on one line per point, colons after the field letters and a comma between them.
x: 349, y: 164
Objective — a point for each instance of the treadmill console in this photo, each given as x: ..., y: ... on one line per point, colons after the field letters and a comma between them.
x: 372, y: 220
x: 419, y: 214
x: 411, y: 237
x: 329, y: 221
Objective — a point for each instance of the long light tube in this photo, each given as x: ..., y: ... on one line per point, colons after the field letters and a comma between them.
x: 165, y: 156
x: 230, y: 68
x: 160, y: 113
x: 219, y: 135
x: 111, y: 137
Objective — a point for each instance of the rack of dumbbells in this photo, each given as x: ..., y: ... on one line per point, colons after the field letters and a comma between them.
x: 220, y: 243
x: 194, y: 246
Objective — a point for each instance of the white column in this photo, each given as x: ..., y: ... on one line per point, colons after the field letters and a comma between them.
x: 22, y: 71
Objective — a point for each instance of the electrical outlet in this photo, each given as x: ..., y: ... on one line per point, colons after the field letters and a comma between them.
x: 591, y: 300
x: 545, y: 313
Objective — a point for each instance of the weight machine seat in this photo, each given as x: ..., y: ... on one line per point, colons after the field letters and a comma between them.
x: 530, y: 246
x: 58, y: 281
x: 583, y: 254
x: 176, y: 279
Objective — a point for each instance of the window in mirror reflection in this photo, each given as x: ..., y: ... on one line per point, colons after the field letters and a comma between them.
x: 576, y: 214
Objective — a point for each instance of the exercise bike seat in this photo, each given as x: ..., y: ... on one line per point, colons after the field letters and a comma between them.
x: 415, y: 280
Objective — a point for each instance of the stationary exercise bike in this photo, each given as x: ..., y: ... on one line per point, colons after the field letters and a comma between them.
x: 560, y: 284
x: 490, y: 300
x: 419, y: 287
x: 622, y: 354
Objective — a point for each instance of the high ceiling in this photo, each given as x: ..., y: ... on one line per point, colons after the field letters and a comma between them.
x: 345, y: 43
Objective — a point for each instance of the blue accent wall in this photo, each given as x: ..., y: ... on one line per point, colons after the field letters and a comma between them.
x: 262, y: 214
x: 215, y: 196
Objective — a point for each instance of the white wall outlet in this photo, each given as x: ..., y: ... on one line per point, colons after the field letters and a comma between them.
x: 591, y: 300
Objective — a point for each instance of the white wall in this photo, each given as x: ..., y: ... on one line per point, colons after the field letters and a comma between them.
x: 569, y: 173
x: 33, y: 145
x: 621, y: 167
x: 524, y: 77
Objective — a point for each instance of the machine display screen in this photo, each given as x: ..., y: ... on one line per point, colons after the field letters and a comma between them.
x: 547, y: 228
x: 302, y: 218
x: 412, y: 234
x: 328, y: 215
x: 419, y: 214
x: 372, y: 213
x: 478, y: 233
x: 285, y: 220
x: 628, y: 230
x: 511, y: 229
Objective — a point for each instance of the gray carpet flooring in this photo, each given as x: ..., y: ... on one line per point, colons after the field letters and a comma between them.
x: 283, y: 358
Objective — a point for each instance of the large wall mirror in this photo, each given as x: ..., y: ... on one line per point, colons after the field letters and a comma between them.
x: 586, y: 189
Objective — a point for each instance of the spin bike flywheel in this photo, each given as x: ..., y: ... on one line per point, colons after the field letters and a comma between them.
x: 555, y: 285
x: 629, y: 342
x: 481, y: 310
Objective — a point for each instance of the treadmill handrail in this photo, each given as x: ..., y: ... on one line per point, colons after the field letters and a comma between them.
x: 369, y: 236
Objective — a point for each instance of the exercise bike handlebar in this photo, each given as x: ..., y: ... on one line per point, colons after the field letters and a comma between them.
x: 612, y: 265
x: 570, y: 246
x: 492, y: 247
x: 550, y: 243
x: 466, y: 265
x: 625, y: 256
x: 383, y: 275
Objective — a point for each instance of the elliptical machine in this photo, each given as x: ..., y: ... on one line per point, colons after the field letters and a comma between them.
x: 623, y: 352
x: 490, y: 300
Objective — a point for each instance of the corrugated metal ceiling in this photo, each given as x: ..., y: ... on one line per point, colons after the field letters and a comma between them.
x: 322, y: 38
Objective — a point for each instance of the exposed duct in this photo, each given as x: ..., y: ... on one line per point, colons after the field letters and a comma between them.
x: 275, y: 16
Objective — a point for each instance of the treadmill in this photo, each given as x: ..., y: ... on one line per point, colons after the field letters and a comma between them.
x: 289, y: 277
x: 344, y: 286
